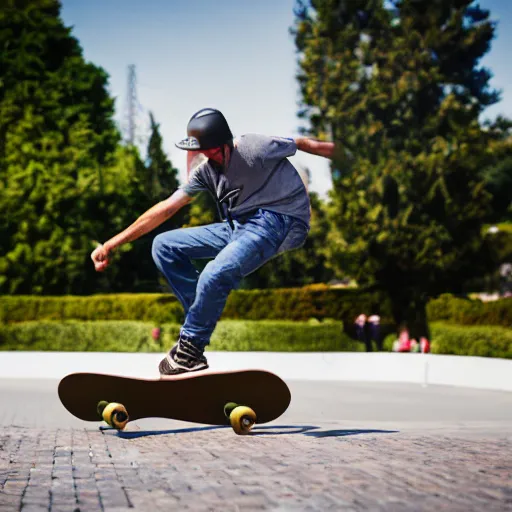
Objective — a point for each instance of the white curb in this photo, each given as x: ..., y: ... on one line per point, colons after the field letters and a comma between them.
x: 474, y: 372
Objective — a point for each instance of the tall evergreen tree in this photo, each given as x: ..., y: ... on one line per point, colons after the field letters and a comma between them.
x: 157, y: 179
x: 161, y: 176
x: 498, y: 174
x: 398, y: 86
x: 61, y: 170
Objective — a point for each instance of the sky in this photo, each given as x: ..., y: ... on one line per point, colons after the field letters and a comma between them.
x: 234, y: 55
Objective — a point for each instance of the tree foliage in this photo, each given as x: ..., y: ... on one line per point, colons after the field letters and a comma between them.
x: 498, y: 173
x: 57, y: 144
x: 157, y: 179
x: 66, y: 182
x: 398, y: 86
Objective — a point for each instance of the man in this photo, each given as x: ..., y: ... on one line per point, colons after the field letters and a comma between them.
x: 264, y: 208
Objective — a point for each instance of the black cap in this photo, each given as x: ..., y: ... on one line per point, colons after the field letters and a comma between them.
x: 207, y: 129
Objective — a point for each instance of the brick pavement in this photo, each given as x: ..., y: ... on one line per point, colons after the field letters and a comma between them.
x: 279, y: 468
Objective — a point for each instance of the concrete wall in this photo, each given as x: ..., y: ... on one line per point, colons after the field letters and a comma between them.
x: 475, y: 372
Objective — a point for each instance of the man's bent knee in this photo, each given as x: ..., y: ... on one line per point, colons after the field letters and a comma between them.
x: 158, y: 248
x: 164, y: 247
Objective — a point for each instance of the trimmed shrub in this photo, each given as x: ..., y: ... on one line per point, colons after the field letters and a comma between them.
x: 303, y: 303
x: 470, y: 312
x: 282, y: 304
x: 298, y: 304
x: 239, y: 335
x: 73, y: 336
x: 125, y: 336
x: 482, y: 340
x: 282, y: 336
x: 159, y: 308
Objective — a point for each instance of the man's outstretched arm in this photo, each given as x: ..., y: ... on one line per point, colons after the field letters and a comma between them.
x: 315, y: 147
x: 148, y: 221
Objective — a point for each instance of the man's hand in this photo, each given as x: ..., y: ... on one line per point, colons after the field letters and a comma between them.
x: 144, y: 224
x: 100, y: 258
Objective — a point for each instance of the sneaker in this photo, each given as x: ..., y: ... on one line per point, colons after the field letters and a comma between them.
x: 183, y: 357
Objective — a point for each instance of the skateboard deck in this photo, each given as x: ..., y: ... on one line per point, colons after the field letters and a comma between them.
x: 240, y: 398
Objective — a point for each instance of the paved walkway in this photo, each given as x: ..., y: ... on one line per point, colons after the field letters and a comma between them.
x: 339, y: 447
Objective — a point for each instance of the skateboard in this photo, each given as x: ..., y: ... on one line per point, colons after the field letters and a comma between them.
x: 237, y: 398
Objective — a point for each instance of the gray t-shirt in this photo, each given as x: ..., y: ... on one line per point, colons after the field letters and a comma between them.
x: 259, y: 175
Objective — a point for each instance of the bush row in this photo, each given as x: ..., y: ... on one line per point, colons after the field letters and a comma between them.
x: 470, y: 312
x: 483, y: 341
x: 304, y: 303
x: 461, y: 340
x: 126, y: 336
x: 159, y: 308
x: 240, y: 335
x: 298, y: 304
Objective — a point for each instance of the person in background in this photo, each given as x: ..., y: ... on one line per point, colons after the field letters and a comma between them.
x: 360, y: 325
x: 404, y: 343
x: 374, y: 328
x: 424, y: 345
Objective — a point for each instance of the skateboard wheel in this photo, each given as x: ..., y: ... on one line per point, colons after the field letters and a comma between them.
x: 242, y: 419
x: 115, y: 415
x: 228, y: 409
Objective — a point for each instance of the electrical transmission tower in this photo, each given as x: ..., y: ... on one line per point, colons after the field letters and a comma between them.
x: 132, y: 102
x: 135, y: 125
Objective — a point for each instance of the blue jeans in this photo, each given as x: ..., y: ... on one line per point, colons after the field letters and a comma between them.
x: 237, y: 252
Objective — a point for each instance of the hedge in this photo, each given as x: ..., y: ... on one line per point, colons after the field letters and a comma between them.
x: 470, y: 312
x: 76, y: 336
x: 461, y: 340
x: 125, y: 336
x: 304, y: 303
x: 298, y: 304
x: 159, y: 308
x: 483, y: 341
x: 238, y: 335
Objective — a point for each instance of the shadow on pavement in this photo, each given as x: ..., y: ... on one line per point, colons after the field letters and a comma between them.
x: 146, y: 433
x: 307, y: 430
x: 278, y: 430
x: 314, y: 431
x: 351, y: 432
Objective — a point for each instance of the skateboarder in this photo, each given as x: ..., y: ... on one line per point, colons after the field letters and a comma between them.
x: 264, y: 210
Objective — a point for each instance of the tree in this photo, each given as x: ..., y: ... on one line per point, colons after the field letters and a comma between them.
x: 157, y: 179
x: 65, y: 181
x: 398, y: 87
x: 498, y: 174
x: 161, y: 178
